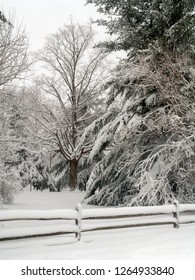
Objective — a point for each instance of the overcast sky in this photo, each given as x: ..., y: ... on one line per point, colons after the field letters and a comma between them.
x: 41, y: 17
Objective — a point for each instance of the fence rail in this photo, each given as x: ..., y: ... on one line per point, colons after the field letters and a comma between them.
x: 80, y: 220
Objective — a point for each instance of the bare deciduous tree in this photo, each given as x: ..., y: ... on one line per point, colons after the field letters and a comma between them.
x: 3, y: 19
x: 13, y: 52
x: 74, y: 72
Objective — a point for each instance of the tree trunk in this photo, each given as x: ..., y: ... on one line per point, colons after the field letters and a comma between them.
x: 73, y: 174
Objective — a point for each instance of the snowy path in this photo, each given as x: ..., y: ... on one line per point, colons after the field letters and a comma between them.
x: 157, y: 242
x: 37, y: 200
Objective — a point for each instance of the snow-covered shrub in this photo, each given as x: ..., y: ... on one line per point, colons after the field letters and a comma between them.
x: 9, y: 188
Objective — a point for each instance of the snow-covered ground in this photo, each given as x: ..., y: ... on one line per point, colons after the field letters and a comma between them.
x: 156, y: 242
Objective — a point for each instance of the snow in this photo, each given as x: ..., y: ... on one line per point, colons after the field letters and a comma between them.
x: 151, y: 99
x: 152, y: 242
x: 37, y: 214
x: 186, y: 207
x: 121, y: 211
x: 163, y: 242
x: 45, y: 200
x: 187, y: 219
x: 35, y: 230
x: 127, y: 222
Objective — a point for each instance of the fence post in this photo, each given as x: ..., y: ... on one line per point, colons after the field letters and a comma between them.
x: 176, y: 214
x: 78, y: 220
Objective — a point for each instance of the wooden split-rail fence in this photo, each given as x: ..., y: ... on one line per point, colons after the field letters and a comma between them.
x: 80, y: 220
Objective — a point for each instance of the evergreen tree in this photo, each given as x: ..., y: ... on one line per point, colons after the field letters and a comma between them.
x: 39, y: 173
x: 29, y: 166
x: 9, y: 183
x: 148, y: 130
x: 139, y: 24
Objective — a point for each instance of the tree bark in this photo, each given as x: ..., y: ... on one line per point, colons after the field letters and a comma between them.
x: 73, y: 174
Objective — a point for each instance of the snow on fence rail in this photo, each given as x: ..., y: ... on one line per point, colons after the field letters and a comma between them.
x: 8, y: 233
x: 112, y: 218
x: 82, y: 220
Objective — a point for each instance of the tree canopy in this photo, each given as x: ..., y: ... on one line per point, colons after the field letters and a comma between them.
x: 139, y: 24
